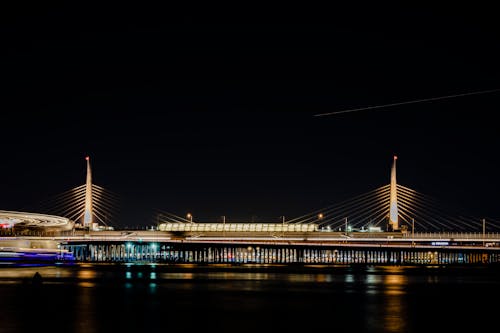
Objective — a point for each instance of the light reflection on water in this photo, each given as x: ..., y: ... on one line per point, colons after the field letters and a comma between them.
x: 85, y: 274
x: 84, y: 309
x: 370, y: 298
x: 394, y: 313
x: 391, y: 277
x: 395, y: 284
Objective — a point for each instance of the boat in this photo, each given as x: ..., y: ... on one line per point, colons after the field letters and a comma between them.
x: 19, y: 254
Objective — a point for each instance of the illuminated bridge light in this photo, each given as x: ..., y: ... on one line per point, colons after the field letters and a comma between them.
x: 237, y: 227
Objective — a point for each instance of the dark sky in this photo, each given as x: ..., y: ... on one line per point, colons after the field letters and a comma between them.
x: 209, y: 110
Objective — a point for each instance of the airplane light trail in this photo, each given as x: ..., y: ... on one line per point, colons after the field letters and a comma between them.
x: 407, y: 102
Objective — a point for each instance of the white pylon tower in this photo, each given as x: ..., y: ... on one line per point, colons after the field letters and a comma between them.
x: 88, y: 214
x: 393, y: 207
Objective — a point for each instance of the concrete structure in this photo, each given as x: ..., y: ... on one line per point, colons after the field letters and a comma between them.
x: 303, y: 248
x: 88, y: 216
x: 393, y: 208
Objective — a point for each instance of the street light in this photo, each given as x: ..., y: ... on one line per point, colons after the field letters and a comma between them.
x: 283, y: 225
x: 189, y: 217
x: 320, y: 217
x: 224, y: 225
x: 484, y: 229
x: 412, y: 231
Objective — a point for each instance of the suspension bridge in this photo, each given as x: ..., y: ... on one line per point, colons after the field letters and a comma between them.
x: 389, y: 208
x: 392, y: 224
x: 87, y: 206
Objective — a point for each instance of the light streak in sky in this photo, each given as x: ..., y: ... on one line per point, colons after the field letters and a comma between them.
x: 406, y: 103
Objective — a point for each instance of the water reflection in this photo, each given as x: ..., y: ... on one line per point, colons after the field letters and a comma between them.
x: 322, y: 278
x: 176, y: 276
x: 14, y: 273
x: 86, y: 274
x: 349, y: 278
x: 372, y: 283
x: 395, y: 314
x: 394, y: 284
x: 84, y: 310
x: 92, y: 298
x: 373, y: 279
x: 395, y: 309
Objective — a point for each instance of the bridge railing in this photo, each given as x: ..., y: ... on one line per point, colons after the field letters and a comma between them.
x: 454, y: 235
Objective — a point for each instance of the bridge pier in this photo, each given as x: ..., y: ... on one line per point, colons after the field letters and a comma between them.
x: 204, y: 253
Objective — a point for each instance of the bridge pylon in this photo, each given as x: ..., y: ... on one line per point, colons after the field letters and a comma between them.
x: 393, y: 206
x: 88, y: 216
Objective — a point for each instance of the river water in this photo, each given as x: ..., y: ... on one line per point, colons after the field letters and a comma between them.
x: 188, y: 298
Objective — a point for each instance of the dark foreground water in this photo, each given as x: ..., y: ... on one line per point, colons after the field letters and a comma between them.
x: 183, y: 298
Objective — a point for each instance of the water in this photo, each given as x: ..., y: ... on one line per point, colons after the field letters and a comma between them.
x: 184, y: 298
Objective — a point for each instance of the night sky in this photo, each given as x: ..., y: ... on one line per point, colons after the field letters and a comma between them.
x: 210, y: 110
